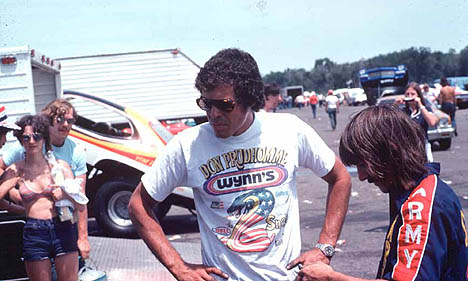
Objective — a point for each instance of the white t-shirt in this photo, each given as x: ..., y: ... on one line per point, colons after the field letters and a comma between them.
x: 331, y: 101
x: 245, y: 191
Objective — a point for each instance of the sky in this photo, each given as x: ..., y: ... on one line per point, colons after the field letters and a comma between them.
x: 280, y: 34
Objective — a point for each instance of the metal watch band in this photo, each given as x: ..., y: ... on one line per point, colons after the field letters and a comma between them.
x: 327, y: 249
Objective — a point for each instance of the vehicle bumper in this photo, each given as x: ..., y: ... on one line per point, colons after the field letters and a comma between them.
x: 440, y: 133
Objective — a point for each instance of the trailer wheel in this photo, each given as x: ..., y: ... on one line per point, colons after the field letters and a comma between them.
x: 111, y: 209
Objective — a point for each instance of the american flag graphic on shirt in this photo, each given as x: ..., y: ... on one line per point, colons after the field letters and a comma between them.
x: 249, y: 234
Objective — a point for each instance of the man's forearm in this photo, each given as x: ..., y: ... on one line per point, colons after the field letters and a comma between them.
x: 83, y: 224
x: 151, y: 231
x: 83, y: 243
x: 337, y: 205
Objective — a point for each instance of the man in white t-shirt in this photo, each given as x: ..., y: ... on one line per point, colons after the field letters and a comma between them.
x: 241, y: 166
x: 332, y: 106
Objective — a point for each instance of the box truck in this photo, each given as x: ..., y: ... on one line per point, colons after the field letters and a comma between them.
x: 28, y: 81
x: 160, y: 82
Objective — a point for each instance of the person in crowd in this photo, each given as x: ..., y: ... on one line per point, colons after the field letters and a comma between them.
x: 5, y: 128
x: 428, y: 93
x: 447, y: 101
x: 45, y: 234
x: 427, y: 236
x: 313, y: 104
x: 332, y: 107
x: 415, y: 106
x: 289, y: 101
x: 62, y: 115
x: 272, y: 97
x: 241, y: 166
x: 299, y: 101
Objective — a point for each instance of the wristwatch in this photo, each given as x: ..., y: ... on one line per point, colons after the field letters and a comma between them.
x: 327, y: 249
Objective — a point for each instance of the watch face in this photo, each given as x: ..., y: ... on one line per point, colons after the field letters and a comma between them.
x: 329, y: 251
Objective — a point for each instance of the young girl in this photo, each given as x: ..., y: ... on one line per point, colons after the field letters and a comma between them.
x: 45, y: 235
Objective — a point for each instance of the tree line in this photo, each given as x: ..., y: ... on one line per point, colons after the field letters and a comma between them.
x: 424, y: 66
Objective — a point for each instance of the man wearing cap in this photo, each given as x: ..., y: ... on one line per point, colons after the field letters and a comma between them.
x: 6, y: 127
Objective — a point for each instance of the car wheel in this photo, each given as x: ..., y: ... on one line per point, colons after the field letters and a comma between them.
x: 111, y: 209
x: 444, y: 144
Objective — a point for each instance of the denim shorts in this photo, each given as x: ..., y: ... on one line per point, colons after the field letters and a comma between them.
x: 46, y: 239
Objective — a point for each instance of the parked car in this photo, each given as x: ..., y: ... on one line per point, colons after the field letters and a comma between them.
x: 121, y: 144
x: 357, y: 96
x: 11, y: 247
x: 177, y: 126
x: 442, y: 133
x: 461, y: 98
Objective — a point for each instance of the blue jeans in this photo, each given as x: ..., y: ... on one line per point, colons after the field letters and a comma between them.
x: 46, y: 239
x: 314, y: 110
x: 332, y: 116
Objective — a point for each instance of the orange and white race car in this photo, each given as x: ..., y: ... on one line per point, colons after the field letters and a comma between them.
x: 121, y: 144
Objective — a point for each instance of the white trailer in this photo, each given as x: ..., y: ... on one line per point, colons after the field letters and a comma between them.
x: 28, y: 81
x: 160, y: 82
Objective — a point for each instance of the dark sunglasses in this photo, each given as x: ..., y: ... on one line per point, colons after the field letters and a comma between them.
x: 226, y: 105
x: 35, y: 136
x: 62, y: 120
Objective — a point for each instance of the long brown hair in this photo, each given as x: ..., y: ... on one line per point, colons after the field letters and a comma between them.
x: 416, y: 87
x: 388, y: 143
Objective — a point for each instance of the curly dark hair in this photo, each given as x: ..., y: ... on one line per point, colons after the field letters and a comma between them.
x: 235, y: 68
x: 388, y: 143
x: 39, y: 123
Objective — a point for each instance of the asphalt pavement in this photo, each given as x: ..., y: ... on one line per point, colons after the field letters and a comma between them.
x: 363, y: 233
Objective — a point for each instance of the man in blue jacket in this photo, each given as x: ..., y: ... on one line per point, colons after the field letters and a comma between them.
x: 427, y: 237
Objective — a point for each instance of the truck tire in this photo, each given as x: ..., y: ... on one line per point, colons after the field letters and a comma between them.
x: 444, y: 144
x: 111, y: 209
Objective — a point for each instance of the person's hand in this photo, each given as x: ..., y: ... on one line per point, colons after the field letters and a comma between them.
x: 57, y: 193
x: 10, y: 182
x: 314, y: 255
x: 417, y: 100
x: 316, y: 271
x: 198, y: 272
x: 400, y: 100
x: 84, y: 247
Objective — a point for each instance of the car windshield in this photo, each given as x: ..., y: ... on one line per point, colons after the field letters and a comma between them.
x: 164, y: 133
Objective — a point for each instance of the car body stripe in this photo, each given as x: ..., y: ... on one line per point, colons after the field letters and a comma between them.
x: 137, y: 155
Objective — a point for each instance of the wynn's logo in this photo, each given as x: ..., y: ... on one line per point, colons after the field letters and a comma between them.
x: 245, y: 180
